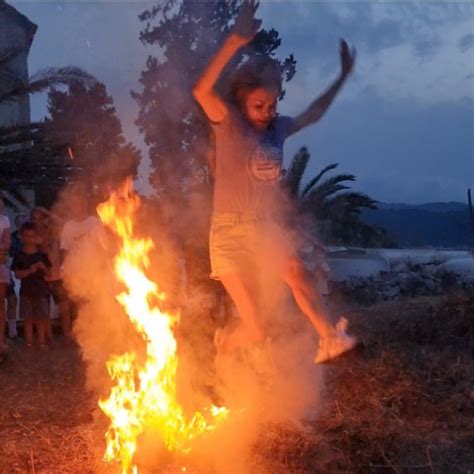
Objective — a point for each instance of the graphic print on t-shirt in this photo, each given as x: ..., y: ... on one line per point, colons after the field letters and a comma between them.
x: 265, y: 162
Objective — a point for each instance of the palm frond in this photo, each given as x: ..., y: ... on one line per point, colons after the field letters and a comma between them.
x: 296, y: 171
x: 46, y: 78
x: 328, y: 187
x: 315, y: 180
x: 352, y: 202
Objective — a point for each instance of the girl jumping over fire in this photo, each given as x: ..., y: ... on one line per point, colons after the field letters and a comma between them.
x: 249, y: 138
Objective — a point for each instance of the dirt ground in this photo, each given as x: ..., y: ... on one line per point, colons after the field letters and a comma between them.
x: 404, y: 403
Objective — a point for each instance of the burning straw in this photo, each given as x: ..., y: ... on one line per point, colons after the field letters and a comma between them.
x: 144, y: 392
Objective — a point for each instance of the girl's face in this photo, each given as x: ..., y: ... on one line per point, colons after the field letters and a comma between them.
x: 260, y: 107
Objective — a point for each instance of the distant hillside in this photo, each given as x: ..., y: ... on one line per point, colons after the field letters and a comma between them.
x: 436, y: 224
x: 430, y: 206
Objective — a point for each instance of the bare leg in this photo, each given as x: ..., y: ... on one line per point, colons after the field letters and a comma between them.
x: 249, y: 328
x: 42, y: 330
x: 48, y: 328
x: 307, y: 297
x: 3, y: 288
x: 28, y: 326
x: 64, y: 315
x: 11, y: 315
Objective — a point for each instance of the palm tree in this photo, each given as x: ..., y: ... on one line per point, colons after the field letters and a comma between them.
x: 43, y: 80
x: 328, y: 201
x: 32, y: 154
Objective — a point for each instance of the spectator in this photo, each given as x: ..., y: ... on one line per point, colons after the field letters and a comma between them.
x: 5, y: 242
x: 32, y: 266
x: 16, y: 244
x: 12, y: 303
x: 83, y: 223
x: 50, y: 226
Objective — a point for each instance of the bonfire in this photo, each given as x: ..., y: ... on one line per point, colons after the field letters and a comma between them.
x: 143, y: 394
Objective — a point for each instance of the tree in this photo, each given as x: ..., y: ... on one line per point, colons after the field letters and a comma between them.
x: 87, y: 118
x: 188, y: 33
x: 31, y: 154
x: 335, y: 209
x: 42, y: 81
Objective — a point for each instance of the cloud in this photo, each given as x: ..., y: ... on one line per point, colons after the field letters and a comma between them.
x: 413, y: 57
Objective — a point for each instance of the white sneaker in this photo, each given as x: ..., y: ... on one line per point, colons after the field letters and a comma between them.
x: 336, y: 345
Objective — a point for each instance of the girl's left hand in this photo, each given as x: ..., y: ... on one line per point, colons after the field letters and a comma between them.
x: 347, y: 58
x: 246, y: 26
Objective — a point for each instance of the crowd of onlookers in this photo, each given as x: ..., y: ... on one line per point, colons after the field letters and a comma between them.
x: 31, y: 261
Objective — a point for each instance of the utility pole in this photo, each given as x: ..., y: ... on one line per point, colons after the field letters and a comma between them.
x: 469, y: 200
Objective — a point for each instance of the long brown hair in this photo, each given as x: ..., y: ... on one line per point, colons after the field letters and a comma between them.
x: 256, y: 72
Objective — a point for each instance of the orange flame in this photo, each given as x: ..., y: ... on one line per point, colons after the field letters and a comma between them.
x: 144, y: 395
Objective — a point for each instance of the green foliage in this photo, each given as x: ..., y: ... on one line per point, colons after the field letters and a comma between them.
x: 295, y: 172
x: 34, y: 155
x: 44, y: 79
x: 88, y: 118
x: 333, y: 207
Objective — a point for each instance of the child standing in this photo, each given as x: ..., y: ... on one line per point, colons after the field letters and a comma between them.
x: 48, y: 226
x: 249, y: 138
x: 5, y: 242
x: 32, y: 267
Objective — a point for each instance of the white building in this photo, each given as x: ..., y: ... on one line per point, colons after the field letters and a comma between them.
x: 16, y: 34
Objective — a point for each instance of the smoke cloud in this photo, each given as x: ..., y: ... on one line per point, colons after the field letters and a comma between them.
x: 272, y: 382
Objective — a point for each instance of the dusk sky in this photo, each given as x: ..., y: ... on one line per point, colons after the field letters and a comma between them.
x: 404, y: 124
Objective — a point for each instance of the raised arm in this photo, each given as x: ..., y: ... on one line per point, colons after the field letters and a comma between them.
x: 244, y: 30
x: 319, y: 107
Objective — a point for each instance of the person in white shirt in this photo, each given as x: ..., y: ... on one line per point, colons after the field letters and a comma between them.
x: 75, y: 230
x: 82, y: 225
x: 5, y: 242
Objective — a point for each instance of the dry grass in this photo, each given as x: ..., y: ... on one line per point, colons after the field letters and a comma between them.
x: 404, y: 404
x: 47, y: 417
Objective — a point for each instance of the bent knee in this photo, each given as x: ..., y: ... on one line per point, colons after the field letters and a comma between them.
x: 295, y: 273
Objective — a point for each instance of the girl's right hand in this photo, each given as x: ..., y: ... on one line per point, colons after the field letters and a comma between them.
x: 246, y: 26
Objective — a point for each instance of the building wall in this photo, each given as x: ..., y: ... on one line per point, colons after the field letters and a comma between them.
x: 13, y: 35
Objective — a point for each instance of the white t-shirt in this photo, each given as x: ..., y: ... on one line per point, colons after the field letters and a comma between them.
x: 73, y: 231
x: 4, y: 224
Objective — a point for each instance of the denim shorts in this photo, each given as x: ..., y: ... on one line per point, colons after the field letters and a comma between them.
x: 34, y: 307
x: 241, y: 242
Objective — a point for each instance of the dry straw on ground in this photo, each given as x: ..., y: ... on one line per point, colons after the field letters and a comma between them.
x: 403, y: 404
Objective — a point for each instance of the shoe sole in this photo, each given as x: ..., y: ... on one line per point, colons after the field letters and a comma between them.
x: 358, y: 347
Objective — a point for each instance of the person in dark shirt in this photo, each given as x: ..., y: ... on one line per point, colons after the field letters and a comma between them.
x: 32, y: 267
x: 16, y: 243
